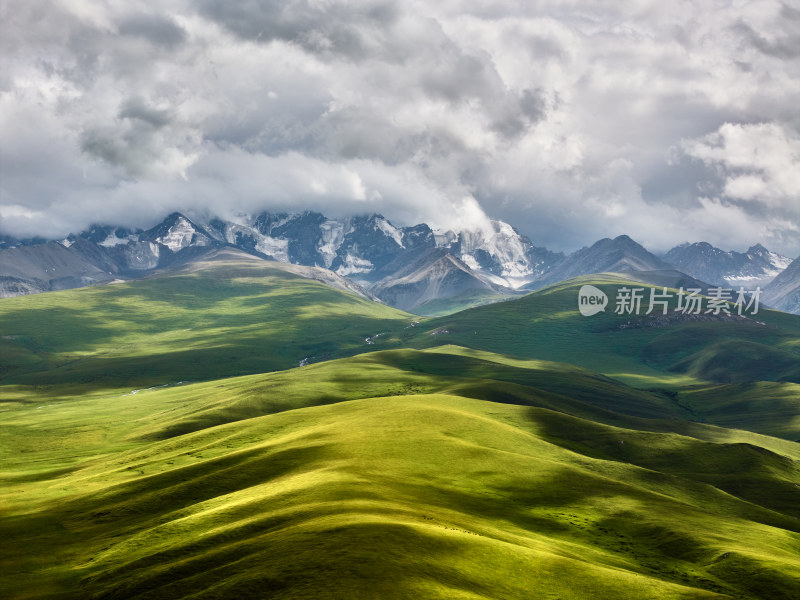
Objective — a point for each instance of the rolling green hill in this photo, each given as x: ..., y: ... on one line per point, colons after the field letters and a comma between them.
x: 215, y: 318
x: 323, y: 482
x: 644, y: 351
x: 513, y: 450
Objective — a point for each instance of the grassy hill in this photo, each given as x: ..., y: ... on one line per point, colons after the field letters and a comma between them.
x: 387, y: 475
x: 219, y: 317
x: 645, y: 351
x: 513, y: 450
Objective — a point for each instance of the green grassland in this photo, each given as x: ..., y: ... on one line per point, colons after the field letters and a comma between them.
x: 218, y: 318
x: 150, y: 447
x: 639, y: 350
x: 249, y: 487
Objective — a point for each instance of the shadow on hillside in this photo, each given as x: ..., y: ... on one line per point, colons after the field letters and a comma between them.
x: 751, y: 473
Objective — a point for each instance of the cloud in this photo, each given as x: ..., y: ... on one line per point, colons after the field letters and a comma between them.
x: 143, y: 141
x: 783, y: 41
x: 758, y: 163
x: 157, y: 29
x: 330, y: 29
x: 571, y: 120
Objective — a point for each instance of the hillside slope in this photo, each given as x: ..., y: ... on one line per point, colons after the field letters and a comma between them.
x: 648, y: 350
x: 483, y: 470
x: 224, y: 314
x: 400, y: 485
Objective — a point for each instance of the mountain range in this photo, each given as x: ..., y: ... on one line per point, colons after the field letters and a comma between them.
x: 405, y: 267
x: 756, y: 266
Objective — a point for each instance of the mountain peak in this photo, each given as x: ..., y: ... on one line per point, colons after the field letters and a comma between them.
x: 607, y: 255
x: 755, y: 267
x: 177, y: 232
x: 757, y: 249
x: 174, y: 217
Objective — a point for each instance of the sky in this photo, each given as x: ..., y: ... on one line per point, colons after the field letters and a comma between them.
x: 572, y: 120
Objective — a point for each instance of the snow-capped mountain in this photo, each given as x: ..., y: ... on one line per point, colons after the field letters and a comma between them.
x: 367, y: 249
x: 510, y: 257
x: 402, y: 266
x: 370, y: 248
x: 755, y: 267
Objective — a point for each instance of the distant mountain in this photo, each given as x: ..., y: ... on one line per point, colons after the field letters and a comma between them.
x: 366, y: 249
x: 756, y: 267
x: 212, y: 255
x: 605, y: 256
x: 503, y: 252
x: 30, y: 269
x: 370, y: 248
x: 783, y: 292
x: 667, y: 278
x: 433, y: 275
x: 402, y: 266
x: 7, y: 241
x: 99, y: 255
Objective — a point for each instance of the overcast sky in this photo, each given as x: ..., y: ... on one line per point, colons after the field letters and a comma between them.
x: 571, y: 119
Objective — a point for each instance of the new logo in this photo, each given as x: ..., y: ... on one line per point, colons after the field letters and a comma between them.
x: 591, y: 300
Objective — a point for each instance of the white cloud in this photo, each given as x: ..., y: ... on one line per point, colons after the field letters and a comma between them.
x: 759, y: 162
x: 560, y: 117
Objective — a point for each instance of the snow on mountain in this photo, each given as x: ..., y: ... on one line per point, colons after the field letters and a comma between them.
x: 390, y: 230
x: 274, y: 248
x: 779, y: 262
x: 445, y: 239
x: 501, y: 252
x: 403, y: 265
x: 114, y: 240
x: 366, y: 248
x: 333, y: 233
x: 352, y: 265
x: 371, y: 244
x: 245, y: 236
x: 755, y: 267
x: 180, y: 235
x: 504, y: 253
